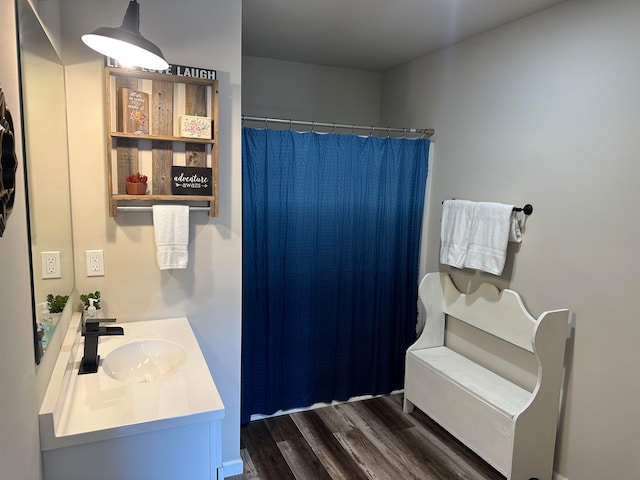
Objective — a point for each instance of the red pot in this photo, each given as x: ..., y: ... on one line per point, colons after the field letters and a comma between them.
x: 136, y: 188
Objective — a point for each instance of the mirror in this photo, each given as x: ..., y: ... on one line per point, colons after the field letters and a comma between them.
x: 46, y: 162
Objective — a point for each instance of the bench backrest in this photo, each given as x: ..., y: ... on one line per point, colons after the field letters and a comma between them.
x: 499, y: 313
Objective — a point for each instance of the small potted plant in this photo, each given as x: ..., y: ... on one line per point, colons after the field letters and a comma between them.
x: 95, y: 295
x: 55, y: 306
x: 136, y: 184
x: 56, y: 303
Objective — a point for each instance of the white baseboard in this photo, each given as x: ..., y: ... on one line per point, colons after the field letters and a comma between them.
x: 557, y: 476
x: 234, y: 467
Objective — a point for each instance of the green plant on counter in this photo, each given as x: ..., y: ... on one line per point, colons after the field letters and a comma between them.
x: 85, y: 299
x: 56, y: 303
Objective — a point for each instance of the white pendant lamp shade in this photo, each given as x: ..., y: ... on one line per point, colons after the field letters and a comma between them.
x: 125, y: 44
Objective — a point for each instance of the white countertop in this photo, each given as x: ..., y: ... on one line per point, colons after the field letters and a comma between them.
x: 86, y: 408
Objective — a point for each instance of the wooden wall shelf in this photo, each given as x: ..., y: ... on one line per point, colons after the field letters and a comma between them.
x: 168, y: 138
x: 154, y: 153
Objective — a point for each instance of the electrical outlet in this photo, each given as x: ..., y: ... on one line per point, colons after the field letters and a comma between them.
x: 95, y: 263
x: 51, y: 265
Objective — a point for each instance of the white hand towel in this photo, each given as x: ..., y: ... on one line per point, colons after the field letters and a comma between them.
x: 515, y: 234
x: 171, y: 230
x: 455, y: 231
x: 489, y: 236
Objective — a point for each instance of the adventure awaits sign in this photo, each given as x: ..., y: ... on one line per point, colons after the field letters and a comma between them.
x: 178, y: 70
x: 191, y: 181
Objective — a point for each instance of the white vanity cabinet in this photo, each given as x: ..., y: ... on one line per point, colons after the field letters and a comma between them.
x: 101, y: 428
x: 190, y: 452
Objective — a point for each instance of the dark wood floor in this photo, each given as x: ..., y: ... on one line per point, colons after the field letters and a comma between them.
x: 368, y: 439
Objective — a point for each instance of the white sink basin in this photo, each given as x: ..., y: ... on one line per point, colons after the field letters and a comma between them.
x: 145, y: 361
x: 90, y: 410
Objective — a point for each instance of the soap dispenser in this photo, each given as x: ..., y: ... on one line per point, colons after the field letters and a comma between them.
x: 91, y: 309
x: 46, y: 324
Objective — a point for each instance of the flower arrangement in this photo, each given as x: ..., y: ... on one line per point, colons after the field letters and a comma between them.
x: 137, y: 178
x: 136, y: 184
x: 138, y: 117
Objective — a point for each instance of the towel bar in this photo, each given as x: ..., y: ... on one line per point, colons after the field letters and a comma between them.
x: 527, y: 209
x: 133, y: 208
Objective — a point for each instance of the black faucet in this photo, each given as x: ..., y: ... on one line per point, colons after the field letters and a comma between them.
x: 91, y: 330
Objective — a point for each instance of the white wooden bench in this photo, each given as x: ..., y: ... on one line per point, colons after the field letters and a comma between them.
x: 512, y: 428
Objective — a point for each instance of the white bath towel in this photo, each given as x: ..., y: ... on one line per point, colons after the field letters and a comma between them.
x: 171, y: 230
x: 488, y: 237
x: 455, y: 231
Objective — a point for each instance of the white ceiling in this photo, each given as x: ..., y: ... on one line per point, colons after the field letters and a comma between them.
x: 370, y: 34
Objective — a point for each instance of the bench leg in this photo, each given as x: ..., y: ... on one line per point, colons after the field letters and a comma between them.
x: 407, y: 406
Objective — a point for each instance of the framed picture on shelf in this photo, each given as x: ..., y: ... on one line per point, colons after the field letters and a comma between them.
x: 191, y: 181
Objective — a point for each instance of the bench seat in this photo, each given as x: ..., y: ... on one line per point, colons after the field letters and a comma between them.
x: 510, y: 427
x: 507, y: 397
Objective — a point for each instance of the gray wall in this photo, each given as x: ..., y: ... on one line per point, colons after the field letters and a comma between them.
x: 200, y: 33
x: 208, y: 293
x: 546, y: 111
x: 302, y: 91
x: 19, y: 439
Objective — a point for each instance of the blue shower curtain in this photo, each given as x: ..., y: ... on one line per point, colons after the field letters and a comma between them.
x: 331, y: 239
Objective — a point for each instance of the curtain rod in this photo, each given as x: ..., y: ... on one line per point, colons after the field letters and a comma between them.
x: 425, y: 132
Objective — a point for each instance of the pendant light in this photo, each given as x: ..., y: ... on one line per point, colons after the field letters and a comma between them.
x: 126, y: 44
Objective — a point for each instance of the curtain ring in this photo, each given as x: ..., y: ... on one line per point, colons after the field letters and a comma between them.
x: 389, y: 132
x: 266, y: 124
x: 290, y: 124
x: 404, y: 133
x: 373, y: 129
x: 333, y: 130
x: 353, y: 129
x: 313, y: 127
